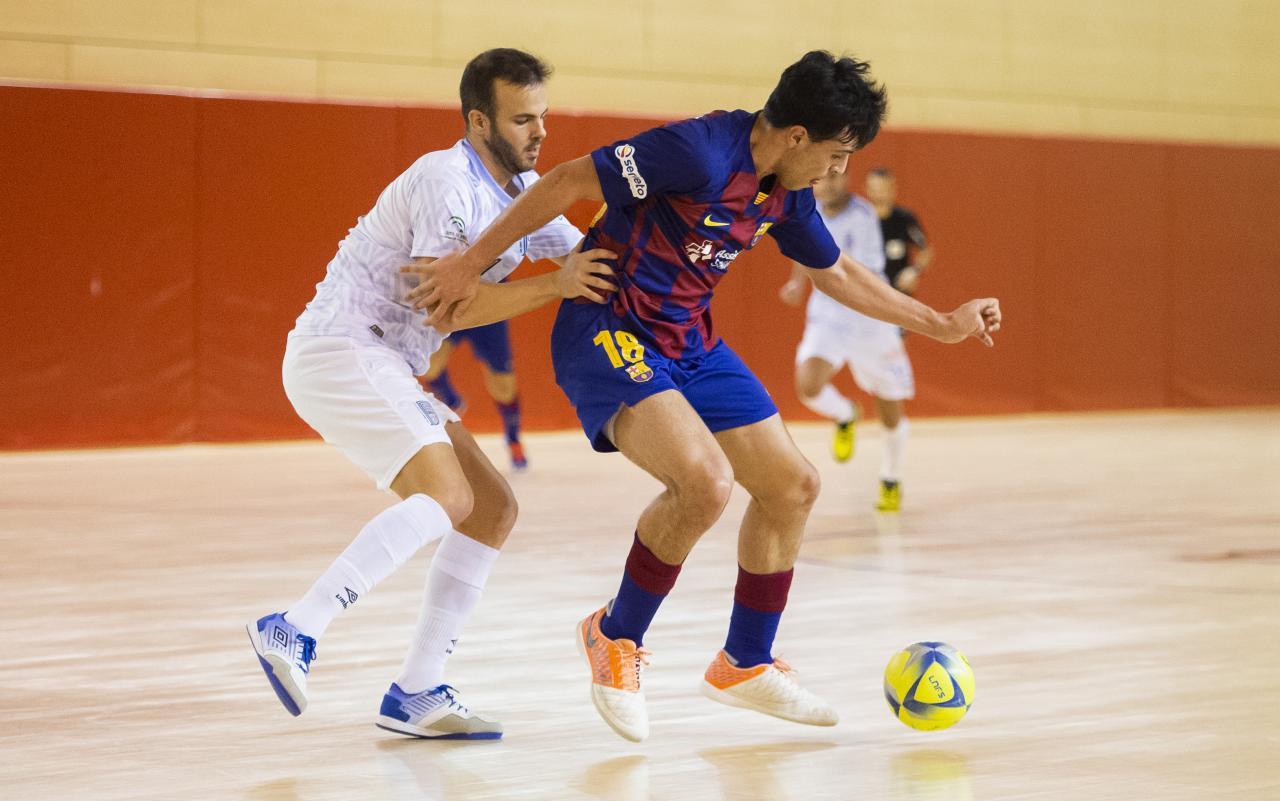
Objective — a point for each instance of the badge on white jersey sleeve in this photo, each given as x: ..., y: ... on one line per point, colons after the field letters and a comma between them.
x: 442, y: 217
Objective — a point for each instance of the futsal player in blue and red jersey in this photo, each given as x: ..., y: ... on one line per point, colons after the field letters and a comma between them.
x: 649, y: 377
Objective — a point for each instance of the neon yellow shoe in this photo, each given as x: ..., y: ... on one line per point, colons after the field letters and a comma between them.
x: 846, y: 436
x: 890, y: 496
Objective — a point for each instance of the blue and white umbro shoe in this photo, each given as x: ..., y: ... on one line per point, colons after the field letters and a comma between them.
x: 286, y: 655
x: 437, y: 714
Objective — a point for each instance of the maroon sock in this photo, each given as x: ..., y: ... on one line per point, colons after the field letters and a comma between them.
x: 645, y: 584
x: 758, y: 601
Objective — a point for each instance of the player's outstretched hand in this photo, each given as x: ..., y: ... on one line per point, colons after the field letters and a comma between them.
x: 584, y: 276
x: 977, y: 318
x: 445, y: 287
x: 792, y: 292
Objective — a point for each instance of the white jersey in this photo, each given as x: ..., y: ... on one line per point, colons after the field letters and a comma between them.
x: 431, y: 209
x: 839, y: 335
x: 856, y: 230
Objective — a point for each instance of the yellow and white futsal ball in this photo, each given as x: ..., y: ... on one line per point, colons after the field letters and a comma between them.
x: 929, y: 685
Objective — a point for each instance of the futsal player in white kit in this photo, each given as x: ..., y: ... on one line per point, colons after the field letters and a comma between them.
x: 349, y: 371
x: 835, y: 335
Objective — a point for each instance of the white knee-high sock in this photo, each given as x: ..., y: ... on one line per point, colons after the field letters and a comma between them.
x: 895, y: 441
x: 830, y: 404
x: 457, y: 577
x: 386, y: 542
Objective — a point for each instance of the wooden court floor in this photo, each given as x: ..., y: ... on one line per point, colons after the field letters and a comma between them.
x: 1113, y: 578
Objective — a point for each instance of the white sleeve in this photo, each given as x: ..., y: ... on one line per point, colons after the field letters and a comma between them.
x: 441, y: 217
x: 553, y: 240
x: 868, y: 242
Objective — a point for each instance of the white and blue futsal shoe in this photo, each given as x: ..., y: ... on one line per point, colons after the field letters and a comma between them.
x: 436, y: 714
x: 286, y: 655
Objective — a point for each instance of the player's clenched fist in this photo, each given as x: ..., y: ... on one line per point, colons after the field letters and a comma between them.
x: 977, y: 318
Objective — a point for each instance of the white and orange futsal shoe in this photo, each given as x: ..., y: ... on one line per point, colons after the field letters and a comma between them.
x: 615, y: 678
x: 771, y: 689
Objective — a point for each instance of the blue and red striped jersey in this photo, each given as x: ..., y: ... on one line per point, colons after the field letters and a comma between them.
x: 682, y: 201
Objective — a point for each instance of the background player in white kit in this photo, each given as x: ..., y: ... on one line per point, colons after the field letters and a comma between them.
x: 835, y: 335
x: 349, y: 371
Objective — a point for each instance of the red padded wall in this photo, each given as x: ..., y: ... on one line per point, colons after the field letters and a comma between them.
x: 1224, y: 276
x: 279, y: 184
x: 97, y: 249
x: 155, y: 250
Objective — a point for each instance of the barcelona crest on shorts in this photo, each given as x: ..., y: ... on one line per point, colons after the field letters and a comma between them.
x: 639, y: 372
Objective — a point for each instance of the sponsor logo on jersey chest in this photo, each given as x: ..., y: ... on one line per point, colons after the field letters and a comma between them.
x: 697, y: 251
x: 721, y: 261
x: 705, y: 251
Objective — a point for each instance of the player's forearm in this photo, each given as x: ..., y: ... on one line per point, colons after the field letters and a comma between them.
x: 550, y: 197
x: 496, y: 302
x: 855, y: 286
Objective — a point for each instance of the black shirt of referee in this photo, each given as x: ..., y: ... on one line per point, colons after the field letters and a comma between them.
x: 902, y: 232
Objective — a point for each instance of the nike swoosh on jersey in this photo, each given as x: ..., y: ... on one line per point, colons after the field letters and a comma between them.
x: 710, y: 223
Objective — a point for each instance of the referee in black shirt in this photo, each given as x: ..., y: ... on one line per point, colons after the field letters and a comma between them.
x: 906, y: 248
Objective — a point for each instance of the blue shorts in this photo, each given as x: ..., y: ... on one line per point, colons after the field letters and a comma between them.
x: 490, y: 343
x: 602, y: 367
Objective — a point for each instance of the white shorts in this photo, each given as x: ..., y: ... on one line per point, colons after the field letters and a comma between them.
x: 874, y: 353
x: 364, y: 399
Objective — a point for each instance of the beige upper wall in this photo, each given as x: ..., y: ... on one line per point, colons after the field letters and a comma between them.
x: 1160, y: 69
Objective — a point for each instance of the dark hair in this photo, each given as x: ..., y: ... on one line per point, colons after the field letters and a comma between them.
x: 499, y: 64
x: 880, y: 172
x: 830, y: 97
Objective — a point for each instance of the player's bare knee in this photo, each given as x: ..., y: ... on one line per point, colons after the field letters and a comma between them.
x: 501, y: 386
x: 806, y: 387
x: 494, y: 511
x: 890, y: 413
x: 794, y: 486
x: 704, y: 488
x: 457, y: 500
x: 505, y: 510
x: 808, y: 486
